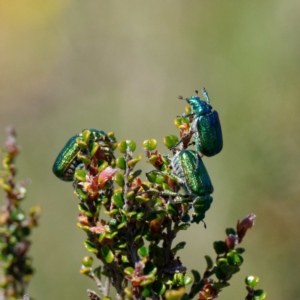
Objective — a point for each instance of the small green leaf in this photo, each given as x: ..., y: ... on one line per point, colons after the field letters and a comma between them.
x: 117, y: 199
x: 87, y: 261
x: 180, y: 121
x: 84, y: 210
x: 84, y: 159
x: 129, y: 271
x: 101, y: 237
x: 89, y: 246
x: 102, y: 165
x: 82, y: 194
x: 111, y: 135
x: 170, y: 140
x: 131, y: 214
x: 134, y: 161
x: 234, y: 259
x: 137, y: 237
x: 134, y: 174
x: 151, y: 177
x: 229, y: 270
x: 150, y: 268
x: 147, y: 291
x: 140, y: 216
x: 220, y: 247
x: 93, y: 148
x: 171, y: 209
x: 158, y: 287
x: 124, y: 145
x: 209, y: 262
x: 178, y: 247
x: 130, y: 195
x: 252, y: 281
x: 81, y: 143
x: 119, y: 179
x: 222, y: 261
x: 143, y: 251
x: 150, y: 144
x: 80, y: 175
x: 97, y: 272
x: 83, y: 227
x: 107, y: 254
x: 131, y: 145
x: 85, y: 271
x: 187, y: 280
x: 121, y: 163
x: 147, y: 281
x: 183, y: 226
x: 121, y: 225
x: 86, y: 135
x: 196, y: 275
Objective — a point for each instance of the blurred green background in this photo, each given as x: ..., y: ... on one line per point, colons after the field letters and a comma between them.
x: 119, y: 66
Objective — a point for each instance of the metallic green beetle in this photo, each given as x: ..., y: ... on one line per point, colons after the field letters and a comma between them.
x: 206, y: 125
x: 66, y: 162
x: 194, y: 179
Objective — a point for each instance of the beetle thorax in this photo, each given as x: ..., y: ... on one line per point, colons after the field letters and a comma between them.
x: 199, y: 107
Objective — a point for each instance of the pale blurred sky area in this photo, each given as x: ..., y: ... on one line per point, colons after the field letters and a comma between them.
x: 120, y: 66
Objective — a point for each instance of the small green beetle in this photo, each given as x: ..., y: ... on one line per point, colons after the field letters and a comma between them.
x: 192, y: 175
x: 206, y: 126
x: 67, y: 161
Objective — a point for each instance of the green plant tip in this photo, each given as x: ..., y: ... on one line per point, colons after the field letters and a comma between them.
x: 252, y: 281
x: 170, y: 140
x: 150, y: 144
x: 87, y: 261
x: 120, y: 163
x: 86, y: 135
x: 124, y: 146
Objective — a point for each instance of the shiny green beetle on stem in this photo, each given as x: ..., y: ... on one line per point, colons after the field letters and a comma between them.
x: 67, y: 161
x: 194, y: 179
x: 206, y: 125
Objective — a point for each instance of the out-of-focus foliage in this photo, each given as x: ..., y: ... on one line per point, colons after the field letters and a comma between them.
x: 121, y: 65
x: 15, y: 226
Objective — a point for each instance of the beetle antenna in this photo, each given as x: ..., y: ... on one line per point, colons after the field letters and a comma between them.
x: 204, y: 224
x: 180, y: 97
x: 205, y: 94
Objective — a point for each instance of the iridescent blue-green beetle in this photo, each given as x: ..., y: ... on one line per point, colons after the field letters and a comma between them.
x: 193, y: 177
x: 66, y: 162
x: 206, y: 126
